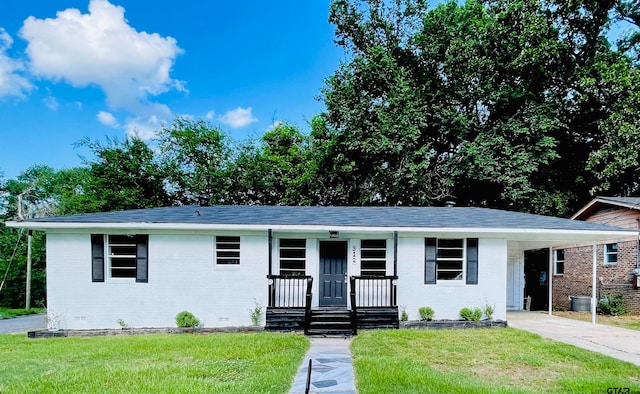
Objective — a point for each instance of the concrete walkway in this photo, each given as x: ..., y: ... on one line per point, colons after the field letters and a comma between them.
x: 620, y: 343
x: 331, y: 370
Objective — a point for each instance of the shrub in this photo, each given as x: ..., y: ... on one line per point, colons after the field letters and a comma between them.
x: 426, y: 313
x: 256, y: 312
x: 404, y: 316
x: 474, y: 314
x: 488, y: 311
x: 186, y: 319
x: 612, y: 305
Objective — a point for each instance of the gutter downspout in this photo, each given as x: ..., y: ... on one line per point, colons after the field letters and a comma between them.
x: 550, y: 277
x: 593, y: 284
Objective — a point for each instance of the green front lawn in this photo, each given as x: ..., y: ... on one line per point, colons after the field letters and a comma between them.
x: 218, y: 363
x: 481, y: 361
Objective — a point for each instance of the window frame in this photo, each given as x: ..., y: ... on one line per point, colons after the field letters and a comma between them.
x: 292, y: 271
x: 115, y: 242
x: 558, y: 261
x: 461, y: 277
x: 103, y: 256
x: 607, y: 254
x: 232, y: 258
x: 372, y: 248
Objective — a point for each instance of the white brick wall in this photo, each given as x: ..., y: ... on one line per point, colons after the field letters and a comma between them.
x: 447, y: 299
x: 183, y: 276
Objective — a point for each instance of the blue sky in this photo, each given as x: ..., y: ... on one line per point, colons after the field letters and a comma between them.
x: 71, y: 69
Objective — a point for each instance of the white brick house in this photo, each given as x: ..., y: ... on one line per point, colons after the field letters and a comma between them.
x: 145, y: 266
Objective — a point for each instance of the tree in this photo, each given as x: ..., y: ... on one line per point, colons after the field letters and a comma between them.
x: 499, y: 103
x: 195, y: 156
x: 124, y: 175
x: 380, y: 131
x: 276, y: 171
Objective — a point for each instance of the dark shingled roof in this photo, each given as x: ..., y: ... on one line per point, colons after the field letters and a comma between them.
x: 427, y: 217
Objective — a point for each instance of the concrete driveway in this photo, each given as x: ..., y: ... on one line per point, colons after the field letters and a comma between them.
x: 615, y: 342
x: 23, y: 324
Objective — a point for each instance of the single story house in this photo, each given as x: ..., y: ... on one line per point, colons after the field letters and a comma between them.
x: 618, y: 261
x: 145, y: 266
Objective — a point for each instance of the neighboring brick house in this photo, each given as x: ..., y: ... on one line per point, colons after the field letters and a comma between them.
x: 617, y: 262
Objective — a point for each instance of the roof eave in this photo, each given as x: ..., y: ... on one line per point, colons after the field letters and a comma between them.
x: 503, y: 232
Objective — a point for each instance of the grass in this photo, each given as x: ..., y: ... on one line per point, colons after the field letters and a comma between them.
x: 481, y: 361
x: 220, y: 363
x: 9, y: 313
x: 631, y: 322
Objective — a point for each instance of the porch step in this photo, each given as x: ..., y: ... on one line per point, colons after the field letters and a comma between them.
x: 284, y: 319
x: 330, y: 322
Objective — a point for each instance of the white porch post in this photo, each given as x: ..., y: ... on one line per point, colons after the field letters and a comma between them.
x: 550, y: 278
x: 593, y: 284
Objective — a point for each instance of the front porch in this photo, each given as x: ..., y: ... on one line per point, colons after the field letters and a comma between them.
x: 371, y: 304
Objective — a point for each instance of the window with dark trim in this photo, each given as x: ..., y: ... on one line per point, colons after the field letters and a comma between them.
x: 127, y: 256
x: 611, y: 254
x: 558, y: 262
x: 446, y: 260
x: 227, y: 250
x: 373, y: 257
x: 293, y: 255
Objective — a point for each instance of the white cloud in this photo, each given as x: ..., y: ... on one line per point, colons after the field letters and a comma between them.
x: 238, y: 117
x: 107, y: 119
x: 11, y: 82
x: 51, y: 103
x: 100, y: 48
x: 146, y: 125
x: 210, y: 115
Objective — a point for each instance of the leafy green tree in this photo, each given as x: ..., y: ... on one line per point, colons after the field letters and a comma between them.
x: 124, y: 175
x: 196, y: 158
x: 276, y: 171
x: 388, y: 143
x: 498, y: 103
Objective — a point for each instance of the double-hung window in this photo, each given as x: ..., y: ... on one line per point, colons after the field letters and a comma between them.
x: 227, y: 250
x: 558, y: 262
x: 451, y: 260
x: 373, y: 257
x: 293, y: 254
x: 125, y: 256
x: 611, y: 254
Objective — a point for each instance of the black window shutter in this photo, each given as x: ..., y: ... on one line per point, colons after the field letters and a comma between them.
x: 97, y: 258
x: 472, y: 261
x: 430, y: 261
x: 142, y: 258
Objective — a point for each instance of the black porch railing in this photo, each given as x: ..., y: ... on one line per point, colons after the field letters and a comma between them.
x: 374, y: 291
x: 286, y: 291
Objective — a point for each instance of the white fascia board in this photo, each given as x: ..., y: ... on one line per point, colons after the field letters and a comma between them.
x: 505, y: 233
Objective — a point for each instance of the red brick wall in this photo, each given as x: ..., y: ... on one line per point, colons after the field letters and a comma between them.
x: 577, y: 277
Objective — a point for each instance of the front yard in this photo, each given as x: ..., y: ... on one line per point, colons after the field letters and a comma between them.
x: 498, y: 360
x: 225, y: 363
x: 481, y: 361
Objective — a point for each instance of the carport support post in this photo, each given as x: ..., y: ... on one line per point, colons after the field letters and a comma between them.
x: 550, y: 278
x: 593, y: 284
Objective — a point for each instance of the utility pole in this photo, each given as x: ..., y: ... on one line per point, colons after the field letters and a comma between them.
x: 29, y: 237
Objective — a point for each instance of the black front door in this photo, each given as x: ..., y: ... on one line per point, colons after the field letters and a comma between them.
x: 333, y: 268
